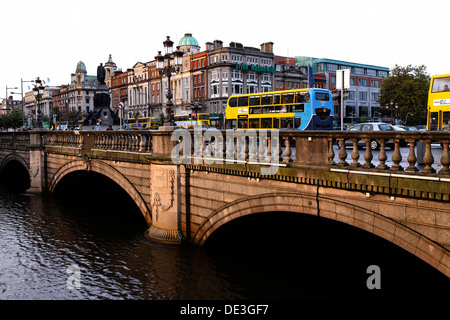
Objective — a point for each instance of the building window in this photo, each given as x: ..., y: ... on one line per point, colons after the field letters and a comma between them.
x: 375, y: 96
x: 375, y: 83
x: 363, y: 96
x: 351, y: 95
x: 363, y: 82
x: 372, y: 72
x: 358, y: 70
x: 332, y: 67
x: 236, y: 89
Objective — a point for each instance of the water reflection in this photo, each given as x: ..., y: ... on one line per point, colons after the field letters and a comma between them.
x: 253, y: 259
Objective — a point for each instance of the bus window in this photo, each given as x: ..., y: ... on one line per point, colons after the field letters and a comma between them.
x: 287, y: 97
x: 231, y: 124
x: 446, y: 121
x: 267, y: 109
x: 266, y: 99
x: 242, y: 124
x: 233, y: 102
x: 266, y: 123
x: 322, y: 96
x: 297, y: 122
x: 276, y: 99
x: 254, y: 123
x: 255, y: 110
x: 254, y: 101
x: 440, y: 85
x: 433, y: 121
x: 286, y: 123
x: 276, y: 123
x: 243, y: 102
x: 301, y: 97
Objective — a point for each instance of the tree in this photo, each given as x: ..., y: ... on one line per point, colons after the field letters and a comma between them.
x: 408, y: 88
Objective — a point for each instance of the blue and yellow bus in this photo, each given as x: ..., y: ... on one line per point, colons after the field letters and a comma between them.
x: 300, y: 109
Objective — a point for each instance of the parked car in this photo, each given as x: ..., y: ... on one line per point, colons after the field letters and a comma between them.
x: 372, y: 126
x: 406, y: 128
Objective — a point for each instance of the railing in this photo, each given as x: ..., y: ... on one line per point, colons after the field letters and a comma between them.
x: 14, y: 139
x: 284, y: 148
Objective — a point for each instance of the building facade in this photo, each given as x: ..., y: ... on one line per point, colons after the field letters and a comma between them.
x: 236, y: 70
x: 365, y: 81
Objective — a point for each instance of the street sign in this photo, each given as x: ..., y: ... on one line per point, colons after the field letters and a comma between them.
x: 121, y: 105
x: 343, y: 79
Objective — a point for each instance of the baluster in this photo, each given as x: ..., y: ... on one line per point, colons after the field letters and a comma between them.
x: 80, y: 140
x: 342, y: 153
x: 331, y: 153
x: 412, y: 157
x: 287, y: 151
x: 142, y: 144
x: 396, y: 157
x: 269, y: 150
x: 382, y: 156
x: 224, y: 146
x: 368, y: 156
x: 355, y: 154
x: 252, y: 155
x: 278, y: 150
x: 238, y: 147
x: 428, y: 158
x: 230, y: 148
x: 203, y: 145
x: 261, y: 148
x: 445, y: 159
x: 217, y: 148
x: 246, y: 148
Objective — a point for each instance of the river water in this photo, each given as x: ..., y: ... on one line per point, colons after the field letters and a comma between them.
x: 80, y: 248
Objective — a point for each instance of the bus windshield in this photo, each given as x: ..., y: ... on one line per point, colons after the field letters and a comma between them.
x: 440, y: 85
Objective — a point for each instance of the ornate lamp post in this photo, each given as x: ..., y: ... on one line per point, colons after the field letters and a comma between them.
x: 165, y: 68
x: 38, y: 92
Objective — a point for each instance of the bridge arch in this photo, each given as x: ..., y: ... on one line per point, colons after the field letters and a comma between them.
x: 108, y: 171
x: 362, y: 218
x: 14, y: 157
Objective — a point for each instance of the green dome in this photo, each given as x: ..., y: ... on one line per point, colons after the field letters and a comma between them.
x: 81, y: 67
x: 188, y: 40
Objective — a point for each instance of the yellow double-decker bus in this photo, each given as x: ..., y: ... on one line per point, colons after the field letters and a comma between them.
x: 300, y: 109
x: 439, y: 103
x: 144, y: 123
x: 190, y: 121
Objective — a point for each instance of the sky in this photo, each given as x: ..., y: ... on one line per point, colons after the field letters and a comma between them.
x: 47, y: 38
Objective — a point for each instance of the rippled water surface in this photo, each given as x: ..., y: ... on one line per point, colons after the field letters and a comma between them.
x: 42, y: 238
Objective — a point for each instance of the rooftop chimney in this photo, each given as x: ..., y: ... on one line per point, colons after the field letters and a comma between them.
x: 267, y: 47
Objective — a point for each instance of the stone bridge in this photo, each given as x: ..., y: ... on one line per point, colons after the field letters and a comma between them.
x: 188, y: 184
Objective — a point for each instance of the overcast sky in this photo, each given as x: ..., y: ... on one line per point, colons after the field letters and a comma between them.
x: 47, y: 38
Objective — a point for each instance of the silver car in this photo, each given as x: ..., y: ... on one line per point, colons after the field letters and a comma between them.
x: 372, y: 126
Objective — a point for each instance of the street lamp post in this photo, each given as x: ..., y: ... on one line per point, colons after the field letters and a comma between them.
x: 165, y: 68
x: 23, y: 111
x: 38, y: 91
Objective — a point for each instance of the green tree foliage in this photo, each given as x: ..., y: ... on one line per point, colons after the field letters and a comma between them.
x: 408, y: 88
x: 11, y: 120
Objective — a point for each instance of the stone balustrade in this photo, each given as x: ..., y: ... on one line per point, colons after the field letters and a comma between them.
x: 284, y: 148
